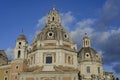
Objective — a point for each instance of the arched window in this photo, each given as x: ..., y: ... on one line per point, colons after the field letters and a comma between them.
x: 15, y: 77
x: 19, y: 54
x: 32, y: 60
x: 98, y: 69
x: 17, y: 67
x: 6, y: 72
x: 6, y: 78
x: 69, y: 60
x: 52, y: 18
x: 86, y: 43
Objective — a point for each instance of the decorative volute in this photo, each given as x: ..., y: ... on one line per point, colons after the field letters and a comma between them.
x: 86, y: 41
x: 53, y: 17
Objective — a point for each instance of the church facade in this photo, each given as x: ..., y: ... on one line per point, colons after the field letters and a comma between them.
x: 53, y: 56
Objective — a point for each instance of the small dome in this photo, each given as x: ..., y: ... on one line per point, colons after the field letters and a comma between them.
x: 22, y: 37
x: 88, y: 54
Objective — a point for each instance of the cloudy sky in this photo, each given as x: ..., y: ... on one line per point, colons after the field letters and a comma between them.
x: 99, y: 18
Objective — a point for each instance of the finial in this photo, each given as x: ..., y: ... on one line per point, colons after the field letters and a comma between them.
x: 22, y: 31
x: 53, y: 6
x: 85, y: 34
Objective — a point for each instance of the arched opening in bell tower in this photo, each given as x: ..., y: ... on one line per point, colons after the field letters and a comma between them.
x: 19, y: 54
x: 52, y: 18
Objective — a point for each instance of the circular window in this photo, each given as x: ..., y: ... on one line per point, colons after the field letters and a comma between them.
x: 87, y: 54
x: 65, y: 35
x: 50, y: 34
x: 16, y: 67
x: 6, y: 72
x: 19, y: 43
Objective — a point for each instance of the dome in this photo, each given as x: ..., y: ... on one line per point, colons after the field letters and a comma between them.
x: 88, y: 54
x: 53, y: 29
x: 22, y: 37
x: 53, y: 33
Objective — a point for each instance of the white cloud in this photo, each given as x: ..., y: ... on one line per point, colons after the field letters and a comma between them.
x: 103, y: 36
x: 110, y: 13
x: 41, y: 22
x: 115, y: 32
x: 106, y: 35
x: 67, y: 19
x: 82, y: 27
x: 101, y: 53
x: 10, y: 53
x: 85, y: 23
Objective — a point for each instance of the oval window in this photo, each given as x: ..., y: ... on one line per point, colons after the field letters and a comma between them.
x: 65, y: 36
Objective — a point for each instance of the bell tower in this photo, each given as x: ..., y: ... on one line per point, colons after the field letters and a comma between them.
x: 19, y: 64
x: 86, y: 41
x: 20, y: 51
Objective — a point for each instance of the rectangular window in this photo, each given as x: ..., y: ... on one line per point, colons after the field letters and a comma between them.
x: 48, y: 59
x: 98, y: 69
x: 88, y: 69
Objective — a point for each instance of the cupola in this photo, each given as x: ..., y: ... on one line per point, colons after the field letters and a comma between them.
x: 53, y: 17
x: 87, y: 53
x: 86, y: 41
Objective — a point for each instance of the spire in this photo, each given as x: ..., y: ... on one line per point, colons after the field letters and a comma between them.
x: 86, y: 41
x: 22, y: 36
x: 85, y: 34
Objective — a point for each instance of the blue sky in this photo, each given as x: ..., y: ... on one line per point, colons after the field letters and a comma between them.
x: 99, y: 18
